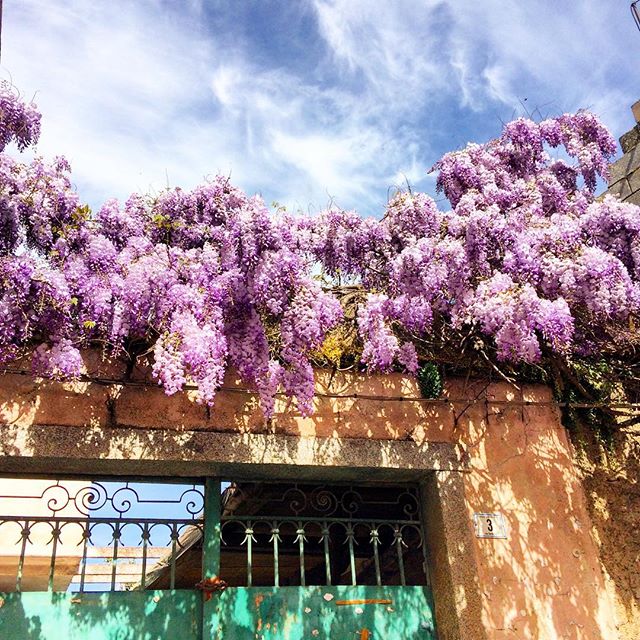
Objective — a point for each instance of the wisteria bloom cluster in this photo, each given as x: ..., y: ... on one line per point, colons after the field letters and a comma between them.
x: 526, y: 258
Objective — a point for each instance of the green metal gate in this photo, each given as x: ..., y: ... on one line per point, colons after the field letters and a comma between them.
x: 250, y: 560
x: 75, y: 557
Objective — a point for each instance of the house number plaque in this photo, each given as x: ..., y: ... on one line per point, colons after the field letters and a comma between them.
x: 489, y: 525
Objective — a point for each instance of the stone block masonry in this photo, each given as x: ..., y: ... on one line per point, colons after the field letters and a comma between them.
x: 624, y: 179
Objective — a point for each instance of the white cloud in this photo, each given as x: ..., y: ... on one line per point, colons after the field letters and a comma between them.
x: 136, y: 101
x: 138, y: 95
x: 394, y: 45
x: 113, y: 84
x: 475, y: 53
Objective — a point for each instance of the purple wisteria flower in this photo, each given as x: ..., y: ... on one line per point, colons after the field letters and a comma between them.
x: 211, y: 280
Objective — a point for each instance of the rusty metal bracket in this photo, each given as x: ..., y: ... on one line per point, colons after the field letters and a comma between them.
x: 344, y: 603
x: 209, y: 586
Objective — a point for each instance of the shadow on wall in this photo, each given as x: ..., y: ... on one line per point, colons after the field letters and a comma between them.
x: 611, y: 474
x: 237, y: 614
x: 126, y: 615
x: 140, y: 403
x: 545, y: 580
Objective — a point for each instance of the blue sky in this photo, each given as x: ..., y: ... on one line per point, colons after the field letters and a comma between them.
x: 305, y: 101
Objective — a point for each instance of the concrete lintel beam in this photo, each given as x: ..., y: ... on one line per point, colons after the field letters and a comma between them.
x: 116, y: 451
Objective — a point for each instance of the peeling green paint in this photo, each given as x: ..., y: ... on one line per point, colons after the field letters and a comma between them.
x: 121, y: 615
x: 294, y: 613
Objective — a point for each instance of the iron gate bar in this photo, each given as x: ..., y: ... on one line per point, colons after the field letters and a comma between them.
x: 415, y: 523
x: 25, y: 535
x: 351, y: 537
x: 275, y: 538
x: 211, y: 551
x: 145, y: 543
x: 114, y: 568
x: 249, y: 539
x: 301, y: 539
x: 375, y: 540
x: 85, y: 543
x: 95, y: 496
x: 57, y: 526
x: 124, y: 521
x: 55, y: 536
x: 336, y: 500
x: 343, y: 506
x: 399, y: 542
x: 327, y: 559
x: 348, y: 525
x: 87, y: 503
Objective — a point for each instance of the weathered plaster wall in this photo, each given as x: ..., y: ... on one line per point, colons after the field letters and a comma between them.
x: 611, y: 471
x: 544, y: 582
x: 610, y: 477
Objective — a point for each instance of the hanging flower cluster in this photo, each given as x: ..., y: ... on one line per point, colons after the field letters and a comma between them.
x: 210, y: 279
x: 526, y: 256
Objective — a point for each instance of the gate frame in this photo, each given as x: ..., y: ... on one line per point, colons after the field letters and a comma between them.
x: 38, y: 450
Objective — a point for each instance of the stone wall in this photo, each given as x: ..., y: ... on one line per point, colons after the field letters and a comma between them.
x: 545, y: 579
x: 624, y: 179
x: 484, y: 448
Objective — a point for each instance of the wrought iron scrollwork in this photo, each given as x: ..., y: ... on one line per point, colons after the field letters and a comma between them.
x: 100, y: 536
x: 339, y: 534
x: 122, y: 498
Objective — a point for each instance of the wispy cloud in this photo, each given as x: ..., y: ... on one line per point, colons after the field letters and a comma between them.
x: 115, y: 86
x: 568, y: 54
x: 308, y: 101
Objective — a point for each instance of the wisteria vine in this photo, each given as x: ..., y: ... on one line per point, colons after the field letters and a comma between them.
x: 526, y: 260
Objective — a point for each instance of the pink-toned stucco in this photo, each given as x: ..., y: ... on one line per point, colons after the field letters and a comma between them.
x: 543, y: 582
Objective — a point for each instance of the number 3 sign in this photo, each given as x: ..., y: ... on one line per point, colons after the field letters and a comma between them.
x: 489, y: 525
